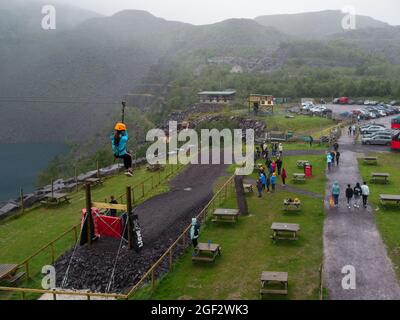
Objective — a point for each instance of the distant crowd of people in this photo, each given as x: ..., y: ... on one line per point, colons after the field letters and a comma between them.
x: 272, y: 170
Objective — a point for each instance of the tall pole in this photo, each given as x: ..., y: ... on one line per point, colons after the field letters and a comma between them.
x: 123, y: 111
x: 89, y: 214
x: 130, y: 216
x: 21, y: 194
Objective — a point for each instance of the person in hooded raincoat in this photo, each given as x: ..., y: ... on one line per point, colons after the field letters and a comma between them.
x: 194, y: 232
x: 336, y: 193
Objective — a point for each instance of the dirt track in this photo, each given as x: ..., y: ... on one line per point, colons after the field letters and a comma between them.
x: 162, y: 219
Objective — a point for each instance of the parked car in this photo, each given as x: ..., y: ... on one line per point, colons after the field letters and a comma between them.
x: 387, y: 132
x: 371, y: 129
x: 377, y: 140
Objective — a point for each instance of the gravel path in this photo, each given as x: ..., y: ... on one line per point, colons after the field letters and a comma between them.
x: 162, y: 219
x: 352, y: 238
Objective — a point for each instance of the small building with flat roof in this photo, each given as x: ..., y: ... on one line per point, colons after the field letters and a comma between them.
x: 223, y: 97
x: 263, y: 101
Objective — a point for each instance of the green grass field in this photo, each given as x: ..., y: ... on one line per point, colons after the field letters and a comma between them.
x: 387, y: 217
x: 247, y: 250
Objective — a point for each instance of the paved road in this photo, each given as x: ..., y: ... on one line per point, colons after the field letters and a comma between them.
x: 351, y: 238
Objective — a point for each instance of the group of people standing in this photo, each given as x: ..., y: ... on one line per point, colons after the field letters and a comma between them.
x: 273, y: 169
x: 352, y: 130
x: 354, y: 195
x: 333, y: 157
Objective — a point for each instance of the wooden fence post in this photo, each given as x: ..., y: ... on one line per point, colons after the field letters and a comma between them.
x: 98, y: 170
x: 52, y: 253
x: 170, y: 260
x: 89, y: 214
x: 153, y: 280
x: 130, y: 217
x: 27, y: 270
x: 52, y: 188
x: 76, y: 179
x: 21, y: 194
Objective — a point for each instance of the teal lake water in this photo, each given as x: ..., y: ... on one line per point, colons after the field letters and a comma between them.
x: 20, y: 164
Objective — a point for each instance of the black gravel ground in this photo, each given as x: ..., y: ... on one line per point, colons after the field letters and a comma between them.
x: 162, y: 220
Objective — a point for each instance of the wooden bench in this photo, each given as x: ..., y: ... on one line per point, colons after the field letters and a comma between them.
x: 384, y: 198
x: 226, y: 215
x: 284, y: 231
x: 299, y: 177
x: 371, y: 160
x: 380, y: 177
x: 206, y: 252
x: 291, y: 205
x: 274, y: 278
x: 55, y: 198
x: 302, y: 163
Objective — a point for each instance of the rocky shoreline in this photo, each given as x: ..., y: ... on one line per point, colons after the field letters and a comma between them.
x: 13, y: 206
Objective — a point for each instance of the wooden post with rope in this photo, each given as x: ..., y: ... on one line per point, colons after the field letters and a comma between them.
x: 129, y: 220
x: 52, y: 188
x: 76, y: 179
x: 89, y: 214
x: 21, y: 194
x: 98, y: 170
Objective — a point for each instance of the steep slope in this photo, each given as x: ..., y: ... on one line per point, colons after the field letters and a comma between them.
x: 315, y: 24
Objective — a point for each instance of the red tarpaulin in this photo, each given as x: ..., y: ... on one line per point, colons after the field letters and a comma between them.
x: 105, y: 226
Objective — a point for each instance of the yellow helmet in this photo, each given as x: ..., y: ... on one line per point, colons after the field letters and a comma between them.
x: 120, y: 127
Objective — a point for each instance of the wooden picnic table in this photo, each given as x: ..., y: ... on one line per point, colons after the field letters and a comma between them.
x: 9, y: 273
x: 302, y: 163
x: 273, y: 278
x: 389, y: 198
x: 294, y: 205
x: 285, y: 231
x: 371, y: 160
x: 380, y: 177
x: 94, y: 181
x: 206, y: 252
x: 299, y: 177
x: 248, y: 188
x: 55, y: 198
x: 226, y: 215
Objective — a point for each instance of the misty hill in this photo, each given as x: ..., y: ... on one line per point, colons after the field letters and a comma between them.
x: 315, y: 24
x: 87, y: 66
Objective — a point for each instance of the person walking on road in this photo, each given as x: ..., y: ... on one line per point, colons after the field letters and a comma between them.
x: 333, y: 156
x: 329, y: 161
x: 336, y: 193
x: 349, y: 195
x: 337, y: 158
x: 357, y: 195
x: 365, y: 194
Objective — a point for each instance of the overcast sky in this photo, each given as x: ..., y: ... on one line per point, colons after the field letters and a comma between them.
x: 210, y: 11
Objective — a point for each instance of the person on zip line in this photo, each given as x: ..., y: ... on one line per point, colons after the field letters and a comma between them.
x: 119, y: 141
